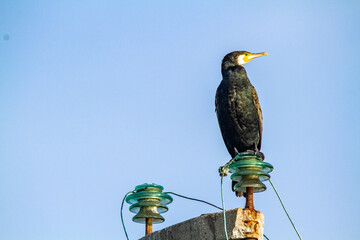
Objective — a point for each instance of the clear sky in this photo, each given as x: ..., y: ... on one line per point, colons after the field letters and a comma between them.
x: 97, y: 97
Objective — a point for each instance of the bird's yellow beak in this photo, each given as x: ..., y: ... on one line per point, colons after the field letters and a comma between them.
x: 255, y: 55
x: 247, y: 57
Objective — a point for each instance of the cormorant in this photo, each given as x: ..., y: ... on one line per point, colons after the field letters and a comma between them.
x: 237, y: 106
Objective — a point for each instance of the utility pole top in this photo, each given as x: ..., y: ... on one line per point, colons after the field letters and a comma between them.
x: 242, y: 224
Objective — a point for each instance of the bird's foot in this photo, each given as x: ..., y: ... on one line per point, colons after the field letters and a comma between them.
x: 260, y: 154
x: 236, y: 151
x: 257, y: 152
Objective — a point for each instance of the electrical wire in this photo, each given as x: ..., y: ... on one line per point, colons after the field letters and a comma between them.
x: 282, y: 204
x: 122, y: 219
x: 223, y: 208
x: 194, y: 199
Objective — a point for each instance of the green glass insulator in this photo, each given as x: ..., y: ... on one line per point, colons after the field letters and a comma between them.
x: 148, y: 201
x: 249, y: 170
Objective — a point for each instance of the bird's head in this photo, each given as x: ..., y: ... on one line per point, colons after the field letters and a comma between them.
x: 239, y: 58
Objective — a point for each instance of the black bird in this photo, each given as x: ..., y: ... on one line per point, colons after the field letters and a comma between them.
x: 237, y: 105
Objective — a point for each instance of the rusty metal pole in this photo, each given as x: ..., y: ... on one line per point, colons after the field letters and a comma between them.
x: 148, y: 228
x: 250, y: 203
x: 249, y: 198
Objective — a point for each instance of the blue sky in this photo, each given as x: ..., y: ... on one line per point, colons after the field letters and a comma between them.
x: 97, y: 97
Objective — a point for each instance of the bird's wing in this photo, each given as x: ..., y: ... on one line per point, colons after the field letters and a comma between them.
x: 259, y: 113
x: 221, y: 103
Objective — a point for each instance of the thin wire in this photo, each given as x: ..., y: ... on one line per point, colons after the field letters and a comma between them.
x: 282, y: 204
x: 122, y: 219
x: 223, y: 208
x: 194, y: 199
x: 266, y: 237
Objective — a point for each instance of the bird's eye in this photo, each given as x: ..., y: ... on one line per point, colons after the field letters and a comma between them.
x: 246, y: 54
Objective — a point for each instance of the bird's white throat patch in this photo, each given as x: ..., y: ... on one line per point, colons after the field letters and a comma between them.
x: 240, y: 59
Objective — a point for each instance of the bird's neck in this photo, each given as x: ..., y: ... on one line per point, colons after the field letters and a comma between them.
x: 236, y: 73
x: 228, y: 69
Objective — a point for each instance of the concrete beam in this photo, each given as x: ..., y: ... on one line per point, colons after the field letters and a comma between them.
x: 241, y: 224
